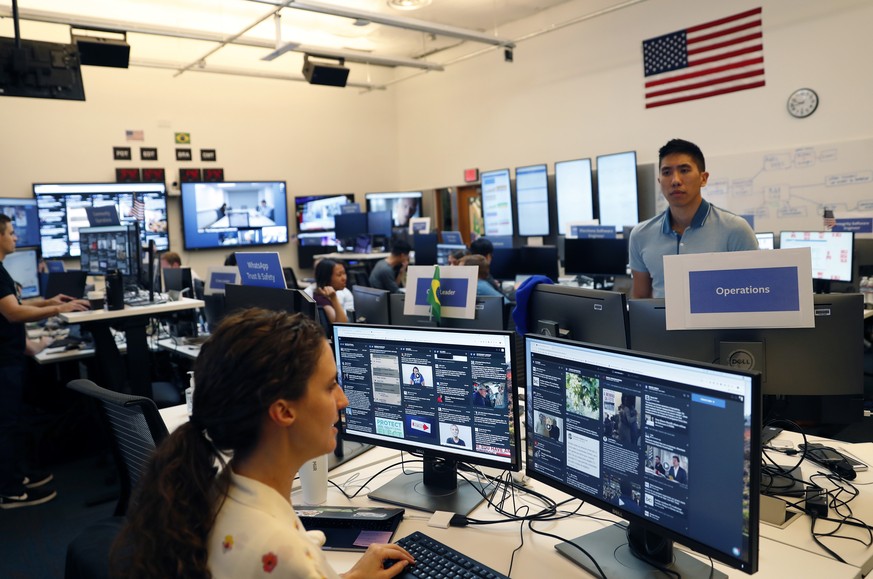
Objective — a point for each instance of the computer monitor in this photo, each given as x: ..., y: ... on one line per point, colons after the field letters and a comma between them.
x: 179, y: 279
x: 532, y: 200
x: 25, y: 219
x: 233, y: 213
x: 396, y: 303
x: 812, y: 373
x: 766, y: 240
x: 445, y: 249
x: 349, y: 226
x: 598, y: 258
x: 579, y: 314
x: 403, y: 206
x: 617, y: 201
x: 425, y: 246
x: 62, y: 211
x: 70, y: 283
x: 574, y: 193
x: 538, y: 260
x: 489, y: 313
x: 112, y: 247
x: 317, y: 212
x: 832, y: 253
x: 372, y: 305
x: 379, y: 224
x: 461, y: 406
x: 504, y: 263
x: 23, y: 267
x: 598, y: 418
x: 238, y: 297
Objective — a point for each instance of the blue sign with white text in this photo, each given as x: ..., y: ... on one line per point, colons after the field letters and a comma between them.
x: 261, y: 269
x: 453, y: 292
x: 765, y: 289
x: 219, y: 279
x: 858, y: 225
x: 592, y: 231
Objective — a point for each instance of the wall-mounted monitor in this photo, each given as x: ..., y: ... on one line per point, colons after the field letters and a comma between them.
x: 617, y: 189
x: 25, y: 219
x: 63, y: 210
x: 316, y: 212
x: 832, y: 252
x: 234, y: 213
x: 574, y: 193
x: 497, y: 203
x: 672, y: 446
x: 403, y: 205
x: 23, y: 268
x: 532, y: 200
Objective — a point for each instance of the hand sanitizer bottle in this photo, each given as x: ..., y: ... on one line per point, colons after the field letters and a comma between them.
x: 189, y: 393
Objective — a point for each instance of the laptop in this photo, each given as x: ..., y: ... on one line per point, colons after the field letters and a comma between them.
x: 351, y: 528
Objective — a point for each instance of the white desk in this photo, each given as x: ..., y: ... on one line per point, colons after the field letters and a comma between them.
x: 175, y: 345
x: 797, y: 534
x: 492, y: 544
x: 133, y: 321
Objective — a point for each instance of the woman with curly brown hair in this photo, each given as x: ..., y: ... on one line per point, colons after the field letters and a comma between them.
x: 260, y: 400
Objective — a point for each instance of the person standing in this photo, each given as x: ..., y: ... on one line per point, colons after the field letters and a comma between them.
x: 689, y: 225
x: 19, y: 487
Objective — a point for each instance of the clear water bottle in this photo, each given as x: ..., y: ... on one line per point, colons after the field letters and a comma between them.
x: 189, y: 394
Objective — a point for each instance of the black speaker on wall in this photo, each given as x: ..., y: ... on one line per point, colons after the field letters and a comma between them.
x: 96, y: 51
x: 323, y: 73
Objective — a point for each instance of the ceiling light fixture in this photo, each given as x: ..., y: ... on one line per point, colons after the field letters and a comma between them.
x: 408, y: 4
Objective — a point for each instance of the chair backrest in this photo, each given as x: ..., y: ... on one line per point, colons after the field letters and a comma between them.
x: 290, y: 278
x: 137, y: 427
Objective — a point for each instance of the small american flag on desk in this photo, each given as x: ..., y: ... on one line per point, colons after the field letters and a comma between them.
x: 718, y: 57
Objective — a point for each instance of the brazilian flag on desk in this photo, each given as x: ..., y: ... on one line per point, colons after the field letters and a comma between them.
x: 433, y: 294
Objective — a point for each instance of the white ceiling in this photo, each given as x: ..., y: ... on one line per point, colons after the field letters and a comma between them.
x: 187, y: 33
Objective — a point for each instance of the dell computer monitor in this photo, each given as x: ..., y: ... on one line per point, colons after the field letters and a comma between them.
x: 63, y: 209
x: 234, y: 213
x: 489, y: 315
x: 766, y: 240
x: 832, y: 253
x: 538, y: 260
x: 372, y: 305
x: 115, y: 247
x: 460, y: 407
x: 25, y: 219
x: 598, y: 258
x: 811, y: 373
x: 396, y: 304
x: 580, y: 314
x: 23, y: 268
x: 598, y: 419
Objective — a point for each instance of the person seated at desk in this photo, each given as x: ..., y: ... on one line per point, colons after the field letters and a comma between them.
x: 330, y: 292
x: 388, y: 273
x: 484, y: 288
x: 267, y: 396
x: 455, y: 257
x: 17, y: 488
x: 483, y: 246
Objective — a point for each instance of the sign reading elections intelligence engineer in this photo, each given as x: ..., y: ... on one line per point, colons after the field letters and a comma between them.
x: 743, y: 289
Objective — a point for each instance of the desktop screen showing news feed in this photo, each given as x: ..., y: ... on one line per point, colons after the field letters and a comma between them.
x: 431, y: 390
x: 631, y: 434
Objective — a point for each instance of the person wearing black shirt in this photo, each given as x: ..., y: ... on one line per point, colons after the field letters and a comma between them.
x: 19, y: 489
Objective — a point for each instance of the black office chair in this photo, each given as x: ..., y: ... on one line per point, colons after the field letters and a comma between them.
x: 137, y: 429
x: 290, y: 278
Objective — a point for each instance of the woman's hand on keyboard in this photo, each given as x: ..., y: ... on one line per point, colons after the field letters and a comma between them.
x: 372, y: 563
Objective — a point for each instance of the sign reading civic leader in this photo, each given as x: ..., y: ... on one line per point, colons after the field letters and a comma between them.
x: 261, y: 269
x: 743, y: 289
x: 457, y: 291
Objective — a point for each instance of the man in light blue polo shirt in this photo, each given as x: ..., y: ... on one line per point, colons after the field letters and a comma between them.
x: 689, y: 225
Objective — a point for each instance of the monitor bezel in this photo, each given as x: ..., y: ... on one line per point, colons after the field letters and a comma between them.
x: 441, y: 452
x: 754, y: 459
x: 189, y: 238
x: 851, y: 266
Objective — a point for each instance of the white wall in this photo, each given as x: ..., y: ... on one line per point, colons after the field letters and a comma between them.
x: 578, y: 92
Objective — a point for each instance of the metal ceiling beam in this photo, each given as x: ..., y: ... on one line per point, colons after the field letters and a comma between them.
x: 144, y: 63
x: 405, y: 23
x: 190, y: 34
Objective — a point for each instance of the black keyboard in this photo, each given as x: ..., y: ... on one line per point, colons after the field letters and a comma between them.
x: 434, y: 559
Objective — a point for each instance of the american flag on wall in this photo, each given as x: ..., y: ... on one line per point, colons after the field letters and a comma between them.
x: 718, y: 57
x: 138, y: 211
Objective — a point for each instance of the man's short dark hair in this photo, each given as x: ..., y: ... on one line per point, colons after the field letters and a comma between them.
x: 680, y: 146
x: 400, y: 247
x: 4, y: 219
x: 482, y: 246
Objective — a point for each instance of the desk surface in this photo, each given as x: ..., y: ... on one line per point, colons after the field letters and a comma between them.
x: 176, y: 345
x: 128, y: 311
x: 780, y: 556
x: 346, y: 256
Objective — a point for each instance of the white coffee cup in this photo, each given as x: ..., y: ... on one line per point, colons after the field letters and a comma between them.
x: 313, y: 479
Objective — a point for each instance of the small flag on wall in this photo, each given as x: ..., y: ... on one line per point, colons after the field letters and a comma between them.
x: 718, y: 57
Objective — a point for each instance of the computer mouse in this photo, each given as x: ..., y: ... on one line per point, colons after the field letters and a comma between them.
x: 843, y: 469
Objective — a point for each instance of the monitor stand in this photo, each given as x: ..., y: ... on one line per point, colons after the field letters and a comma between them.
x: 436, y: 489
x: 609, y: 547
